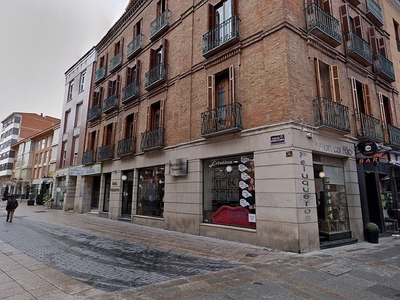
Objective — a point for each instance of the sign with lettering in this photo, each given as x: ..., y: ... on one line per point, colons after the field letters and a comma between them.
x: 277, y: 139
x: 367, y: 148
x: 368, y: 160
x: 95, y: 169
x: 178, y: 167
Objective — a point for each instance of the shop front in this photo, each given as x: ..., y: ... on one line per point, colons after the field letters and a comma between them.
x: 150, y: 201
x: 229, y: 191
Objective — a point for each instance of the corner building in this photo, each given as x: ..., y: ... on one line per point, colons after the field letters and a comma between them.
x: 238, y: 119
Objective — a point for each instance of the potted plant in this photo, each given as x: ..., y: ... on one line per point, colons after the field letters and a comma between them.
x: 372, y: 232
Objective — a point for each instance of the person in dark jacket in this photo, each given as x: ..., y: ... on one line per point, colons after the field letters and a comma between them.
x: 12, y: 204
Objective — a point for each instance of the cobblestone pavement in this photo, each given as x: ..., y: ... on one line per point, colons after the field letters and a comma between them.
x: 51, y: 254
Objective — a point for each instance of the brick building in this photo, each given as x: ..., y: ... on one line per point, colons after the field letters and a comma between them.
x: 71, y: 138
x: 240, y: 119
x: 15, y: 127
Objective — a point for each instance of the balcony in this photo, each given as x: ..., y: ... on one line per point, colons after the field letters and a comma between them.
x: 221, y: 37
x: 134, y: 46
x: 100, y: 74
x: 153, y: 139
x: 331, y: 116
x: 160, y: 24
x: 369, y: 128
x: 374, y: 13
x: 156, y: 76
x: 89, y: 157
x: 116, y: 62
x: 110, y: 103
x: 126, y: 146
x: 394, y: 136
x: 131, y: 91
x: 358, y: 49
x: 94, y: 113
x: 384, y: 68
x: 227, y: 118
x: 323, y: 25
x: 106, y: 152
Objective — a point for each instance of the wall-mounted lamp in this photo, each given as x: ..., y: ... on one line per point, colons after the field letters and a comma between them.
x: 321, y: 174
x: 124, y: 177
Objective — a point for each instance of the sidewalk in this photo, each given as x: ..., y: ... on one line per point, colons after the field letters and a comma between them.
x: 358, y: 271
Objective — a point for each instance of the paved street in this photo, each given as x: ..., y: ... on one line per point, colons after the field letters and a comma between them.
x: 51, y: 254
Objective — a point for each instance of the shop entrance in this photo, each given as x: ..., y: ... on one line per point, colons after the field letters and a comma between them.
x: 94, y: 202
x: 127, y: 188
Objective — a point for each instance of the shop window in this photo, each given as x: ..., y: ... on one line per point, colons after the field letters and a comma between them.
x: 229, y: 191
x: 151, y: 192
x: 328, y: 81
x: 331, y: 199
x: 107, y: 189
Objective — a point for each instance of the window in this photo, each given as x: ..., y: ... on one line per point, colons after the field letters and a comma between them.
x: 155, y: 118
x: 129, y: 127
x: 117, y: 48
x: 161, y: 6
x: 66, y: 120
x: 64, y: 155
x: 91, y: 142
x: 151, y: 191
x: 387, y: 110
x: 70, y: 91
x: 328, y: 81
x: 132, y: 73
x: 78, y: 113
x: 229, y: 191
x: 113, y: 86
x: 75, y: 150
x: 220, y: 16
x: 324, y: 4
x: 361, y: 97
x: 82, y: 82
x: 159, y: 56
x: 108, y: 134
x: 102, y: 62
x: 137, y: 30
x: 97, y: 97
x: 377, y: 42
x: 43, y: 143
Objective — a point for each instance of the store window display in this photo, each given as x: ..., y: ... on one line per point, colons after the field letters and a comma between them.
x: 229, y: 191
x: 151, y: 191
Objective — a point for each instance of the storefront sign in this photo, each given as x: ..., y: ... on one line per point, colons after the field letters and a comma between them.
x: 367, y: 148
x: 368, y: 160
x: 178, y: 167
x: 277, y: 139
x: 75, y: 171
x: 333, y: 148
x: 95, y: 169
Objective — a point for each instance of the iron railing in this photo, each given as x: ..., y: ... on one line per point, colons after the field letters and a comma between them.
x: 369, y: 127
x: 94, y: 112
x: 100, y: 74
x: 89, y: 157
x: 394, y: 135
x: 126, y: 146
x: 383, y: 66
x: 116, y: 62
x: 222, y: 119
x: 134, y: 46
x: 162, y: 21
x: 222, y: 34
x: 106, y: 152
x: 153, y: 139
x: 110, y: 103
x: 375, y: 10
x: 356, y: 44
x: 331, y: 114
x: 156, y: 75
x: 317, y: 18
x: 130, y: 91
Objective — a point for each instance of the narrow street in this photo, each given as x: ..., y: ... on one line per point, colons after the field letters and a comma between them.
x: 51, y: 254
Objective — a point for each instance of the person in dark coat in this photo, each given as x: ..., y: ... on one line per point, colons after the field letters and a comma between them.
x: 12, y: 204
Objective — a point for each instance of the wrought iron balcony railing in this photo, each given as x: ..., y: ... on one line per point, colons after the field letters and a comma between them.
x: 153, y: 139
x: 130, y: 91
x: 100, y: 74
x: 134, y: 46
x: 156, y: 75
x: 110, y: 103
x: 358, y: 49
x: 374, y: 13
x: 323, y: 25
x: 106, y: 152
x: 223, y: 119
x: 331, y: 114
x: 126, y: 146
x: 89, y: 157
x: 384, y: 68
x: 94, y: 112
x: 116, y: 62
x: 224, y: 35
x: 369, y: 127
x: 394, y: 136
x: 160, y: 24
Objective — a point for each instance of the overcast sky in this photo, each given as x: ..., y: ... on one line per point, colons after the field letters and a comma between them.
x: 39, y: 41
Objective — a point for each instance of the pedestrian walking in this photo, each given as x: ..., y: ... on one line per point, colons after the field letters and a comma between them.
x: 12, y: 204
